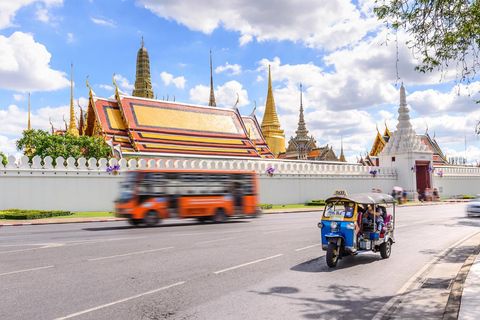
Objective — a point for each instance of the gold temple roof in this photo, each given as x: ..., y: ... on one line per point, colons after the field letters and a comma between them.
x: 154, y: 126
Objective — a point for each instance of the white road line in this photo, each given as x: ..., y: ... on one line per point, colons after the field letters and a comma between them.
x: 281, y: 230
x: 26, y: 270
x: 129, y: 254
x: 209, y: 241
x: 119, y: 301
x: 248, y: 263
x: 312, y: 246
x: 56, y: 245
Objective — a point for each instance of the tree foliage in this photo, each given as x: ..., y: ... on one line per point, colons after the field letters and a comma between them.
x: 42, y: 143
x: 443, y: 32
x: 4, y: 159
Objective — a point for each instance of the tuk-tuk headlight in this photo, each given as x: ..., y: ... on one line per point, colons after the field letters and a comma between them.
x: 351, y: 226
x: 334, y: 226
x: 320, y: 225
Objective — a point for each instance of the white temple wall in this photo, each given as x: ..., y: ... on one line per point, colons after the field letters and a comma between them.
x: 87, y: 186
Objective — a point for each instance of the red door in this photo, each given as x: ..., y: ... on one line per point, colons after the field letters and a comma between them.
x: 423, y: 177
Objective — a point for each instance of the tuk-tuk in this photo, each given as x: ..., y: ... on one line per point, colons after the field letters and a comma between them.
x: 356, y: 223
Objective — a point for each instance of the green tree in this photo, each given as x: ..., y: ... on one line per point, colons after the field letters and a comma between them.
x: 4, y: 159
x: 443, y: 31
x: 41, y: 143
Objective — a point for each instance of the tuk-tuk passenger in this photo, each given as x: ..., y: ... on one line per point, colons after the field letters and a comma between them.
x: 370, y: 214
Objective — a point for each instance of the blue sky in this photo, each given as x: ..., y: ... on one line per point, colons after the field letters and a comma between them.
x: 338, y: 50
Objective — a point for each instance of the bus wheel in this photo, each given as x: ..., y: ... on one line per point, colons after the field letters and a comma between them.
x: 386, y: 249
x: 219, y: 215
x: 133, y: 222
x: 332, y: 255
x: 151, y: 219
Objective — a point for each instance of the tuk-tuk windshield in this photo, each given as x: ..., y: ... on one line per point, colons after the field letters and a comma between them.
x: 344, y: 209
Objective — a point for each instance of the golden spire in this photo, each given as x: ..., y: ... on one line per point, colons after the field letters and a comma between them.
x: 270, y: 125
x: 270, y: 118
x: 143, y: 83
x: 72, y: 128
x: 211, y: 102
x: 29, y: 126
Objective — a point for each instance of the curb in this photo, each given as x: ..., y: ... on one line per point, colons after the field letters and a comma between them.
x: 56, y: 222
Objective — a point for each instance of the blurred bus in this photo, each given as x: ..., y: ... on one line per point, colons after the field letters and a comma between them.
x: 147, y: 196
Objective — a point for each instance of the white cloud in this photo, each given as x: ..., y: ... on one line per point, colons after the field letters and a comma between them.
x: 225, y: 95
x: 235, y: 69
x: 24, y: 65
x: 245, y: 39
x: 122, y: 82
x: 70, y: 38
x: 19, y: 97
x: 103, y: 22
x: 107, y: 87
x: 461, y: 98
x: 8, y: 9
x: 331, y: 24
x: 168, y: 78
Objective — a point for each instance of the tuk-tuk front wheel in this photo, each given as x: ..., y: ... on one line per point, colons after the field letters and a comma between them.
x: 386, y: 249
x: 332, y: 254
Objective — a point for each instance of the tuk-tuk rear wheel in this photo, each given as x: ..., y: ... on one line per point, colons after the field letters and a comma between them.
x: 332, y: 255
x: 386, y: 249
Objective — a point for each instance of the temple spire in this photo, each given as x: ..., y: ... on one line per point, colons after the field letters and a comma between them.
x: 270, y: 124
x: 342, y: 156
x: 72, y: 128
x: 29, y: 125
x: 211, y: 102
x: 143, y: 83
x: 270, y: 118
x: 302, y: 129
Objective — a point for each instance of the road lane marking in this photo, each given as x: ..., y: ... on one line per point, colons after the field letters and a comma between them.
x: 56, y: 245
x: 129, y: 254
x: 312, y: 246
x: 120, y: 301
x: 282, y: 230
x: 209, y: 241
x: 248, y: 263
x: 26, y: 270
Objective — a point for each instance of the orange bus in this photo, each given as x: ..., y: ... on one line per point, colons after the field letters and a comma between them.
x: 147, y: 196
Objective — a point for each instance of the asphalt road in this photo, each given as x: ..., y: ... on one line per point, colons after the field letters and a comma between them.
x: 266, y: 268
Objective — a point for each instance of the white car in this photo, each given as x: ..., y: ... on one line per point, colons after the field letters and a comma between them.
x: 473, y: 207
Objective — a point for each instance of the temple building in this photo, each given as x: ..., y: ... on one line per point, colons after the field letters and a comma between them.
x: 141, y: 126
x: 270, y: 125
x: 383, y: 141
x: 303, y: 147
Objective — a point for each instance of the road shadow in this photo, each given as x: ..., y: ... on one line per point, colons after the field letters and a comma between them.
x: 320, y: 265
x: 355, y: 302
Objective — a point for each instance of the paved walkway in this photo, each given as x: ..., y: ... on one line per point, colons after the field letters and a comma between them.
x: 466, y: 292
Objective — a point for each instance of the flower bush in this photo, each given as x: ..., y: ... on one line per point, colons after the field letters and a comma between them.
x: 270, y: 171
x: 113, y: 169
x: 373, y: 172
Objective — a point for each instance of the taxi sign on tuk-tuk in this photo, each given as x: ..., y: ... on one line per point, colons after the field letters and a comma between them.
x: 357, y: 223
x: 340, y: 193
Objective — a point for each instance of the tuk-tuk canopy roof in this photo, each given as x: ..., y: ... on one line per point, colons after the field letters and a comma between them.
x: 365, y: 198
